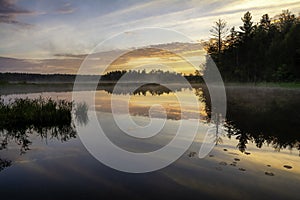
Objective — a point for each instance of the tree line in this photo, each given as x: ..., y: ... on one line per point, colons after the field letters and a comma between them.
x: 265, y: 51
x: 9, y: 77
x: 154, y: 76
x: 112, y: 76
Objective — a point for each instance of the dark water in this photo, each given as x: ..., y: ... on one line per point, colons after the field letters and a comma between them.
x: 256, y: 156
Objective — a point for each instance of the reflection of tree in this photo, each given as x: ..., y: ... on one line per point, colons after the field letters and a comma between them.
x: 21, y: 137
x: 266, y: 118
x: 270, y: 118
x: 81, y: 113
x: 215, y: 131
x: 276, y: 124
x: 23, y: 118
x: 153, y: 89
x: 219, y: 132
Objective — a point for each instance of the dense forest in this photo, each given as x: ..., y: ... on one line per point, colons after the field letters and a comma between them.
x: 43, y: 78
x: 268, y: 50
x: 113, y: 76
x: 153, y: 76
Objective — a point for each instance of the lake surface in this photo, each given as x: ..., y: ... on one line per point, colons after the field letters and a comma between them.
x: 256, y: 155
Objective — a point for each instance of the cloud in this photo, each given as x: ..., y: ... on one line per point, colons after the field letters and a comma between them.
x: 68, y: 55
x: 9, y: 12
x: 178, y: 56
x: 78, y: 27
x: 155, y: 55
x: 45, y: 66
x: 252, y: 7
x: 66, y: 9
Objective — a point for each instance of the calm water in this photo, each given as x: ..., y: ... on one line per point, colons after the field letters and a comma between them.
x: 256, y: 156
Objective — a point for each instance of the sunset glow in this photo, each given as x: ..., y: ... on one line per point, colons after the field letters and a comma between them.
x: 44, y: 37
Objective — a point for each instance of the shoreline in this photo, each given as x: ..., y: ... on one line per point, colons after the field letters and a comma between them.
x: 34, y: 87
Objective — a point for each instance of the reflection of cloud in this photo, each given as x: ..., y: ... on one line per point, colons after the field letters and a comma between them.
x: 9, y: 11
x: 140, y: 105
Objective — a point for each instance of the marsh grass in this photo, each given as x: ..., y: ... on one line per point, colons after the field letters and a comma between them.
x: 20, y: 118
x: 40, y: 112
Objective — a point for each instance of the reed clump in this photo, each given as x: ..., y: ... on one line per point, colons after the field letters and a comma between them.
x: 34, y: 113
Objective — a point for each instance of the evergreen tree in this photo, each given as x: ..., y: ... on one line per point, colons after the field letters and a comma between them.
x: 268, y: 51
x: 247, y: 28
x: 219, y: 32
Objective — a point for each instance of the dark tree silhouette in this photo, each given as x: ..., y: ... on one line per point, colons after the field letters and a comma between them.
x: 266, y: 51
x: 219, y: 32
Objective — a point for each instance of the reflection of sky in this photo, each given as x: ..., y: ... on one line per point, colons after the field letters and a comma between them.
x: 45, y: 30
x: 64, y: 170
x: 140, y: 105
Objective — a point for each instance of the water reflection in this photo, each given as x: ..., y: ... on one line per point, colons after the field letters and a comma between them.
x: 152, y: 89
x: 272, y: 119
x: 81, y: 115
x: 23, y: 138
x: 217, y: 131
x: 24, y: 119
x: 143, y: 98
x: 258, y: 115
x: 254, y: 115
x: 4, y: 163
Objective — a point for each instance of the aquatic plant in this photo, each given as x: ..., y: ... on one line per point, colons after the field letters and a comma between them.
x: 29, y: 113
x: 22, y: 117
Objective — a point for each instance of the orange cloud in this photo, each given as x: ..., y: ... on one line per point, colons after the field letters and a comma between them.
x: 175, y: 55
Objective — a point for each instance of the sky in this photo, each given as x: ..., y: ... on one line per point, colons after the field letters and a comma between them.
x: 45, y: 36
